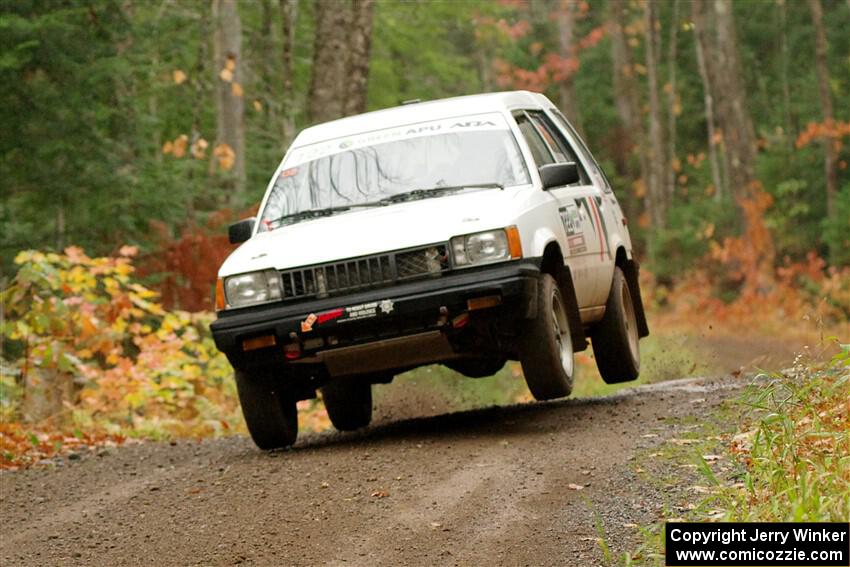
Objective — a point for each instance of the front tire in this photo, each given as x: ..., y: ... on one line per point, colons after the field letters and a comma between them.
x: 615, y: 339
x: 348, y: 402
x: 546, y: 348
x: 270, y: 414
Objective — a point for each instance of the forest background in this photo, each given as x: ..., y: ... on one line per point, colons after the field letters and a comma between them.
x: 134, y: 131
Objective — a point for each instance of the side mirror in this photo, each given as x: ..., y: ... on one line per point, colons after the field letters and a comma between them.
x: 241, y: 231
x: 558, y: 174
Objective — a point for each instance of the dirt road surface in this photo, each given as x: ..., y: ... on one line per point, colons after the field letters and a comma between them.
x: 518, y: 485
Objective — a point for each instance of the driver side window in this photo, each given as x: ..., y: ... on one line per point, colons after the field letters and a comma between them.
x: 539, y: 149
x: 595, y: 171
x: 546, y: 143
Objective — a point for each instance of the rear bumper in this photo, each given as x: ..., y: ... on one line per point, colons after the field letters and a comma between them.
x: 323, y: 325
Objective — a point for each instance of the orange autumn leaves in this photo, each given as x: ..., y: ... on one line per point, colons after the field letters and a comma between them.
x: 223, y: 154
x: 21, y: 447
x: 139, y: 370
x: 832, y: 131
x: 137, y: 367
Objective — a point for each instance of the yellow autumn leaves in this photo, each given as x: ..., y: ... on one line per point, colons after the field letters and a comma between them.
x: 198, y: 149
x: 227, y: 75
x: 141, y: 369
x: 224, y: 155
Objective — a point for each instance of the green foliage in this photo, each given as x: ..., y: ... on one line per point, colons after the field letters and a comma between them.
x: 458, y: 392
x: 691, y: 226
x: 92, y: 98
x: 837, y: 230
x: 58, y: 109
x: 404, y: 68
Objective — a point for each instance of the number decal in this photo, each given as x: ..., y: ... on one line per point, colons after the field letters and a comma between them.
x: 571, y: 219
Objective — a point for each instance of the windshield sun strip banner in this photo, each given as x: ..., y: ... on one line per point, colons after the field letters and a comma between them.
x: 476, y: 122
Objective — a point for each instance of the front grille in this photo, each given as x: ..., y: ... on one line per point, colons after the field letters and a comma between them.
x: 381, y: 270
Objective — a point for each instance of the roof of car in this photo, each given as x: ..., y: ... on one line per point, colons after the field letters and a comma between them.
x: 420, y: 112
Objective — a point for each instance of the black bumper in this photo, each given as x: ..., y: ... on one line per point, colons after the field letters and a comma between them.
x: 407, y: 308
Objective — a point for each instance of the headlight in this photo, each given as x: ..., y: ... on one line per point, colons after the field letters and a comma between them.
x: 252, y: 288
x: 486, y: 247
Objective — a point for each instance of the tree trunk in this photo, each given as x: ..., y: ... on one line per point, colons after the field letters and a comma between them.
x: 289, y: 15
x: 485, y: 69
x: 61, y: 229
x: 790, y: 130
x: 739, y: 147
x: 632, y: 134
x: 359, y: 50
x: 327, y: 84
x: 673, y: 102
x: 831, y: 157
x: 625, y: 89
x: 703, y: 47
x: 737, y: 125
x: 230, y: 107
x: 45, y: 391
x: 566, y: 33
x: 265, y: 86
x: 656, y: 159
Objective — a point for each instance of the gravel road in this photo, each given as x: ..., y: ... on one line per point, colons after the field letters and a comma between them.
x: 518, y: 485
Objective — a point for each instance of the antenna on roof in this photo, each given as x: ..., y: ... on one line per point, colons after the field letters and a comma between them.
x: 411, y: 101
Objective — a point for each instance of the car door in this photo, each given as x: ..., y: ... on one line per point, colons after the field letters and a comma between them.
x: 602, y: 205
x: 574, y: 208
x: 608, y: 203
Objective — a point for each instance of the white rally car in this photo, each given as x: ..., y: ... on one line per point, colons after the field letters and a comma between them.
x: 465, y: 231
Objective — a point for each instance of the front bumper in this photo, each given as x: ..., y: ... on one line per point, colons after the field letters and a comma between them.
x: 374, y: 315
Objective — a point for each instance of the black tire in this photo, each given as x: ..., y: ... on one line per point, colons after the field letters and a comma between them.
x: 269, y: 412
x: 546, y: 349
x: 349, y: 403
x: 476, y: 367
x: 615, y: 338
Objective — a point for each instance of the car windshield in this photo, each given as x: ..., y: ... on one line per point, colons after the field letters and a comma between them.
x: 395, y: 164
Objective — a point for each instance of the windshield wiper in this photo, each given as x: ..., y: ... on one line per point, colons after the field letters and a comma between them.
x: 318, y: 213
x: 413, y: 195
x: 435, y: 192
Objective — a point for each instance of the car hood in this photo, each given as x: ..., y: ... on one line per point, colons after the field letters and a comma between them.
x: 361, y: 232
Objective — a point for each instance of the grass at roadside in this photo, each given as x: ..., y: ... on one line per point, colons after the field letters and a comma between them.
x: 786, y: 459
x: 662, y: 358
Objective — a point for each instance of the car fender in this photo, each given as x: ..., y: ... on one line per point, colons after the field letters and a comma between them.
x: 539, y: 224
x: 616, y: 241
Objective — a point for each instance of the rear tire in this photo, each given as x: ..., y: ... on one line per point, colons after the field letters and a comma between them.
x: 615, y: 339
x: 348, y: 402
x: 546, y: 348
x: 270, y: 414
